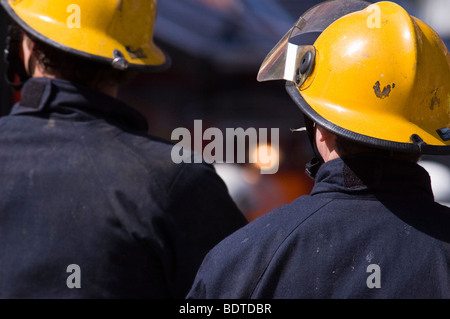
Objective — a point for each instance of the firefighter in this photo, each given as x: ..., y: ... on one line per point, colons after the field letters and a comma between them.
x: 373, y: 84
x: 91, y: 206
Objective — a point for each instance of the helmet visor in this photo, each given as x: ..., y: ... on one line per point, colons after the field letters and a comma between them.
x: 284, y: 61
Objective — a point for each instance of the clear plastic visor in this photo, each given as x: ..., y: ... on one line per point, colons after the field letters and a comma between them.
x: 284, y: 60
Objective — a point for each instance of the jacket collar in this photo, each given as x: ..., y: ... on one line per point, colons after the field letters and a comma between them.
x: 44, y: 95
x: 369, y: 175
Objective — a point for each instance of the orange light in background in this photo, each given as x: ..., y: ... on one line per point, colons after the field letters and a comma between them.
x: 265, y: 157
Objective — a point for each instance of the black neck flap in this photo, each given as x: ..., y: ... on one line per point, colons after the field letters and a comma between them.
x: 313, y: 166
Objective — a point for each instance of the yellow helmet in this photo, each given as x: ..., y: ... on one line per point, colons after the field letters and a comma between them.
x: 119, y: 32
x: 368, y: 72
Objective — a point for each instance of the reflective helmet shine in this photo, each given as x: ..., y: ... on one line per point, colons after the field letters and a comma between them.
x: 119, y: 32
x: 369, y: 72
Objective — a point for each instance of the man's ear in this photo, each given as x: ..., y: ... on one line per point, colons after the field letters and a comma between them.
x: 27, y: 53
x: 324, y: 135
x: 326, y: 144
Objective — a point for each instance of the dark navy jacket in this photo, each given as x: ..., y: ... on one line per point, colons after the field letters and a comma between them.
x: 83, y: 184
x: 369, y: 229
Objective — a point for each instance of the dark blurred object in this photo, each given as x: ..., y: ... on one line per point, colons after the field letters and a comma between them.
x: 233, y: 35
x: 5, y: 91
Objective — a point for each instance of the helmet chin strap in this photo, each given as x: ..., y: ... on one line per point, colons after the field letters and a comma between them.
x: 316, y: 162
x: 16, y: 74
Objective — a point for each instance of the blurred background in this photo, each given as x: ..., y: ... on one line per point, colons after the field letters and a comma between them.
x: 216, y: 47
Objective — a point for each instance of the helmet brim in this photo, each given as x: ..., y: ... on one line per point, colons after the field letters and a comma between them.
x: 413, y: 144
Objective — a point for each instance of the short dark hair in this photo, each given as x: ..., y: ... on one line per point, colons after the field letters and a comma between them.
x: 347, y: 147
x: 77, y: 69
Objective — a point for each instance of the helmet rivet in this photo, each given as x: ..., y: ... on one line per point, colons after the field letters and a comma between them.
x: 119, y: 61
x: 297, y: 77
x: 306, y: 62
